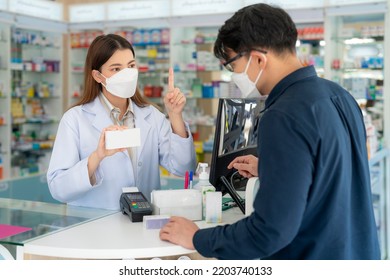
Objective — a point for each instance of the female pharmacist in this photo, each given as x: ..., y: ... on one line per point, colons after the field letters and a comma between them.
x: 82, y: 171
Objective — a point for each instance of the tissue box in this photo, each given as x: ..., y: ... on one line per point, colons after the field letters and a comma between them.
x: 184, y: 203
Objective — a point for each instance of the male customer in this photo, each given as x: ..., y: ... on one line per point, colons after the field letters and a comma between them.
x: 315, y: 199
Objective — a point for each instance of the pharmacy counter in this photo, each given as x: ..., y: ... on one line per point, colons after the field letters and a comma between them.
x: 111, y: 237
x: 22, y: 221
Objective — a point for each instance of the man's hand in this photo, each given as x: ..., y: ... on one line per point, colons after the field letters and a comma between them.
x: 179, y: 231
x: 247, y: 166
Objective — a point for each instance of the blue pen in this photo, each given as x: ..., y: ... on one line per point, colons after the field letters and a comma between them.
x: 191, y: 177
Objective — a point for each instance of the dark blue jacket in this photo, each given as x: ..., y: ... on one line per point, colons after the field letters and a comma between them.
x: 314, y: 200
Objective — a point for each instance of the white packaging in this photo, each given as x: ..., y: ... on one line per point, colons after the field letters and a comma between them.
x: 205, y: 190
x: 184, y: 203
x: 126, y: 138
x: 130, y: 189
x: 213, y: 207
x: 155, y: 221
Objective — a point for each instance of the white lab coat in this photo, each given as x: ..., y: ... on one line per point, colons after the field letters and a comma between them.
x: 77, y: 137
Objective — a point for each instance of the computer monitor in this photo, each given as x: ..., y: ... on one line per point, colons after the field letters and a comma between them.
x: 236, y: 134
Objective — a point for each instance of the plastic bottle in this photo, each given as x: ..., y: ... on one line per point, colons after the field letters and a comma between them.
x: 203, y: 185
x: 203, y: 176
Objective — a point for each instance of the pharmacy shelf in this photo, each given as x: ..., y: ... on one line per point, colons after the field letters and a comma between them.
x: 5, y: 101
x: 36, y: 98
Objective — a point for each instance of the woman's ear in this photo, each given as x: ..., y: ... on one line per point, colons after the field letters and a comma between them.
x: 97, y: 76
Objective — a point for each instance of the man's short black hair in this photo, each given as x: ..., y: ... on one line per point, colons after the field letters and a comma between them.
x: 258, y: 26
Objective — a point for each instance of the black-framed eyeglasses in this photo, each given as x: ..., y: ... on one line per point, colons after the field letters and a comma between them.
x: 227, y: 64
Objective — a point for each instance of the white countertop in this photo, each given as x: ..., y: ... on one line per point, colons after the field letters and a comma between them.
x: 113, y: 237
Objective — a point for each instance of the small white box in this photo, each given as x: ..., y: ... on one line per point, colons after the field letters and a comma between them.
x: 213, y: 207
x: 126, y: 138
x: 130, y: 189
x: 155, y: 221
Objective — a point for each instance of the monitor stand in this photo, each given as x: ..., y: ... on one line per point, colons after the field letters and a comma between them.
x: 233, y: 193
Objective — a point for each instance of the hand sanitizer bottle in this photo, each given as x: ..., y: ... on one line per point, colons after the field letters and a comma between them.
x: 203, y: 185
x: 203, y: 176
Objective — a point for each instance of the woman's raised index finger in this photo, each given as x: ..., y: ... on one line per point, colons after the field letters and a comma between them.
x: 171, y: 83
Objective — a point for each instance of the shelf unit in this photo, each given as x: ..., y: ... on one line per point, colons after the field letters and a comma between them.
x: 76, y: 74
x: 36, y: 98
x: 357, y: 64
x: 78, y: 43
x: 201, y: 78
x: 310, y: 46
x: 5, y: 101
x: 152, y: 50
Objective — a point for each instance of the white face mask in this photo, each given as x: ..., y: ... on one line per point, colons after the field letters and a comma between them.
x: 247, y: 87
x: 122, y: 84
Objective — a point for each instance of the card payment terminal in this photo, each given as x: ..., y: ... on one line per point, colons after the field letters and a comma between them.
x: 135, y: 205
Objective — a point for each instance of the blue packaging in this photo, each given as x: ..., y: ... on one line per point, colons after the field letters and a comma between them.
x: 146, y: 37
x: 155, y: 36
x: 207, y: 91
x: 137, y: 37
